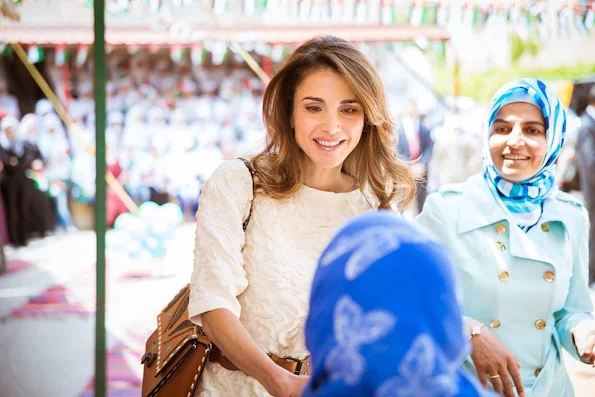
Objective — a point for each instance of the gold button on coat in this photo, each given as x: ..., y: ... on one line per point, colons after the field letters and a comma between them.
x: 503, y: 275
x: 545, y: 227
x: 500, y: 245
x: 500, y: 228
x: 540, y: 324
x: 495, y: 324
x: 537, y: 372
x: 549, y: 276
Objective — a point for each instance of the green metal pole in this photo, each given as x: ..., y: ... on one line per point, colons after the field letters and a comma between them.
x: 100, y: 218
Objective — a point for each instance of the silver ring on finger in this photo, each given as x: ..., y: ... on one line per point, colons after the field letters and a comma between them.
x: 494, y: 376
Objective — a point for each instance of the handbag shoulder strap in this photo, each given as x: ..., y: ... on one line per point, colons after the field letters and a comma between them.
x: 251, y: 169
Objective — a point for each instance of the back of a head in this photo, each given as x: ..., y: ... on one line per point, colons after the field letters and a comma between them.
x: 384, y: 314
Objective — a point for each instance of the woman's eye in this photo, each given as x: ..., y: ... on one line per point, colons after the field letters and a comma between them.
x: 533, y: 131
x: 313, y: 109
x: 502, y: 130
x: 350, y: 110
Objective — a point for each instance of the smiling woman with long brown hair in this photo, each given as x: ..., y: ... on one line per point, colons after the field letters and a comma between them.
x: 329, y: 157
x: 283, y: 165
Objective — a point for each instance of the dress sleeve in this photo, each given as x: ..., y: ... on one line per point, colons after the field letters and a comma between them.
x: 218, y: 276
x: 578, y: 305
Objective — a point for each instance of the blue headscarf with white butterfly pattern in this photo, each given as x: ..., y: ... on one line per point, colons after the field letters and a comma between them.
x: 384, y: 319
x: 524, y: 199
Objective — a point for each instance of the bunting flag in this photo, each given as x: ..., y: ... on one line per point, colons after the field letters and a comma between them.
x: 4, y: 49
x: 263, y: 49
x: 277, y: 7
x: 522, y: 26
x: 442, y: 13
x: 387, y: 15
x: 540, y: 18
x: 219, y: 52
x: 467, y: 15
x: 61, y: 56
x: 305, y: 7
x: 278, y: 52
x: 249, y: 7
x: 234, y: 50
x: 348, y: 13
x: 361, y: 11
x: 563, y: 22
x: 261, y: 5
x: 580, y: 13
x: 198, y: 55
x: 316, y: 11
x: 320, y: 11
x: 417, y: 13
x: 134, y: 49
x: 524, y: 16
x: 514, y: 13
x: 155, y: 5
x: 590, y: 17
x: 480, y: 15
x: 219, y: 6
x: 177, y: 54
x: 81, y: 56
x: 336, y: 10
x: 35, y: 54
x: 430, y: 14
x: 294, y: 7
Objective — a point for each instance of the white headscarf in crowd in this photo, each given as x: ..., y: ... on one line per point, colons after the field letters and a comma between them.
x: 29, y: 129
x: 16, y: 144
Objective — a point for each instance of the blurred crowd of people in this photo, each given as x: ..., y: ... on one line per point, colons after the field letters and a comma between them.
x: 164, y: 115
x: 161, y: 118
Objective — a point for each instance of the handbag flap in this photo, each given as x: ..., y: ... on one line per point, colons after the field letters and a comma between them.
x: 175, y: 332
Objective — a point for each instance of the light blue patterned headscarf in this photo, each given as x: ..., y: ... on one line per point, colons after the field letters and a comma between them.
x: 384, y: 320
x: 524, y: 199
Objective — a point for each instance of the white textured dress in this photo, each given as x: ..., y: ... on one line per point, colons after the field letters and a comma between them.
x: 264, y: 275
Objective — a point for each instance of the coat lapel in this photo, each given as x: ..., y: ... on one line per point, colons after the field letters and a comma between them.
x: 479, y: 208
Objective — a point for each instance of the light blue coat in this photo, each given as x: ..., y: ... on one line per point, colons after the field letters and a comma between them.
x: 530, y: 288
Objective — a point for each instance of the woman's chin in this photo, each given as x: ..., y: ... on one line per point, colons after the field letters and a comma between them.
x: 516, y: 175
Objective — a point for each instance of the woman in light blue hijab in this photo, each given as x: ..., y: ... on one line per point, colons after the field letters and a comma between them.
x: 521, y: 249
x: 384, y: 319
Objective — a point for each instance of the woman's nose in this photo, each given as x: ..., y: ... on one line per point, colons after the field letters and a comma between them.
x: 515, y: 138
x: 332, y: 124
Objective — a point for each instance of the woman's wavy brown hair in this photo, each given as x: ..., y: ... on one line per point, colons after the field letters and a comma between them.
x: 279, y: 168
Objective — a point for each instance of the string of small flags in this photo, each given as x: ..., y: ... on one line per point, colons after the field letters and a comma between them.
x: 557, y: 15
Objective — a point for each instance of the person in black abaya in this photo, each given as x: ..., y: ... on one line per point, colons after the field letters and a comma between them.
x: 27, y: 208
x: 13, y: 181
x: 41, y: 214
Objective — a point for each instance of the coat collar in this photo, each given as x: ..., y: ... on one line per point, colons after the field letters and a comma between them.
x: 479, y: 208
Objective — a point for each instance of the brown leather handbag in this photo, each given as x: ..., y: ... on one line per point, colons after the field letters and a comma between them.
x: 176, y: 353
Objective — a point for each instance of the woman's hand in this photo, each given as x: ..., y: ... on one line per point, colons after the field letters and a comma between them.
x: 494, y: 361
x: 584, y: 340
x: 229, y: 335
x: 288, y: 385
